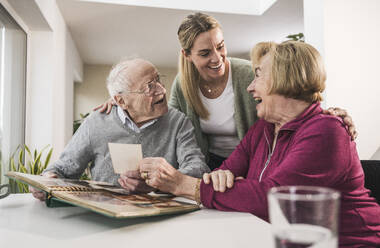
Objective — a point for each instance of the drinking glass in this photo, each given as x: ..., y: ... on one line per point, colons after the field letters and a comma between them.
x: 4, y: 190
x: 304, y: 216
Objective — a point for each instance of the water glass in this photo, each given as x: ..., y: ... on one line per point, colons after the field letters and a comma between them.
x: 304, y: 216
x: 4, y: 190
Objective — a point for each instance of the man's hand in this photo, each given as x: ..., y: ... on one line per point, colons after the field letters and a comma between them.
x: 346, y: 119
x: 221, y: 179
x: 38, y: 194
x: 105, y: 106
x: 158, y: 173
x: 131, y: 181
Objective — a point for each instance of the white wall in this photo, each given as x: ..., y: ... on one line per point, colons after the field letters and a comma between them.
x: 376, y: 156
x: 53, y: 63
x: 347, y: 32
x: 39, y: 107
x: 92, y: 91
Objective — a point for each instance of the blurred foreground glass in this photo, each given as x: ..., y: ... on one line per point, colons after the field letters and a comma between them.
x: 304, y: 216
x: 4, y: 190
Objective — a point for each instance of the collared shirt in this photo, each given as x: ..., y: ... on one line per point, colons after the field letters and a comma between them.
x: 126, y: 120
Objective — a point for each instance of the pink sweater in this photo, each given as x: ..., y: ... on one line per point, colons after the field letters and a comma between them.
x: 314, y: 149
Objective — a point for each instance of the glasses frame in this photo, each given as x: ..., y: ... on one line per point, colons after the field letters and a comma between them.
x: 151, y: 87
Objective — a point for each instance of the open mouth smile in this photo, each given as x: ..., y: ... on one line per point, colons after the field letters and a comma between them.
x: 258, y: 100
x: 215, y: 67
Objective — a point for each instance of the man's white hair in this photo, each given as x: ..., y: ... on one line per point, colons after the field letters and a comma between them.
x: 117, y: 80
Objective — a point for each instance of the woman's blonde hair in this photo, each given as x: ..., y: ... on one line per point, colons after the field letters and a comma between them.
x: 297, y: 69
x: 188, y: 31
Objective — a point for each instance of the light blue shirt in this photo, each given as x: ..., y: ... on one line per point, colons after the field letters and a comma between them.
x: 126, y: 120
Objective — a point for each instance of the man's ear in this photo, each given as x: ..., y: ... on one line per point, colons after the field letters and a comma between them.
x: 186, y: 55
x: 120, y: 101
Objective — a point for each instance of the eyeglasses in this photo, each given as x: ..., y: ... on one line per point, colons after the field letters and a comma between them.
x: 151, y: 87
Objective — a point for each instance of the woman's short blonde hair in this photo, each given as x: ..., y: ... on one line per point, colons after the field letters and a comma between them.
x: 188, y: 31
x: 297, y: 69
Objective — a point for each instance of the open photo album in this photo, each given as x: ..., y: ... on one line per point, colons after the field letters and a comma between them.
x: 103, y: 198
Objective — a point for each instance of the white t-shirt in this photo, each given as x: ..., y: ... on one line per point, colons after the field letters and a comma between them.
x: 220, y: 126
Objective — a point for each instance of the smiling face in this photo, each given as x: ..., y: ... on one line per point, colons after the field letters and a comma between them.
x: 208, y: 54
x: 143, y: 107
x: 260, y: 86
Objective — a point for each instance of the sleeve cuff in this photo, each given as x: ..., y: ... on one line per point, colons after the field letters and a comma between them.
x: 207, y: 194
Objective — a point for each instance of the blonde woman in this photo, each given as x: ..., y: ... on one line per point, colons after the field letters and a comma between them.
x: 210, y: 89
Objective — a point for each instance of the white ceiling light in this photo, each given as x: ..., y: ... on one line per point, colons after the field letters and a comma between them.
x: 244, y: 7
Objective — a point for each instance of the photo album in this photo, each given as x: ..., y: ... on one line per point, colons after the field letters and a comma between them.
x: 103, y: 198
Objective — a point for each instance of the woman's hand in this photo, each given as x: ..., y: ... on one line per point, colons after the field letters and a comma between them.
x: 132, y: 181
x: 106, y: 106
x: 346, y: 119
x: 221, y: 179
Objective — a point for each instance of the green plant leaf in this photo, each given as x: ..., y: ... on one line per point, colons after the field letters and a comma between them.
x: 20, y: 158
x: 13, y: 166
x: 25, y: 188
x: 23, y: 169
x: 40, y: 169
x: 296, y: 37
x: 19, y: 186
x: 28, y: 150
x: 36, y: 165
x: 30, y: 166
x: 35, y: 154
x: 48, y: 158
x: 83, y: 116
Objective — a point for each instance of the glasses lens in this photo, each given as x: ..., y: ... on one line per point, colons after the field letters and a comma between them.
x: 152, y: 87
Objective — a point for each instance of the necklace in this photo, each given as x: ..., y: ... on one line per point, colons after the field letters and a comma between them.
x: 213, y: 91
x: 207, y: 88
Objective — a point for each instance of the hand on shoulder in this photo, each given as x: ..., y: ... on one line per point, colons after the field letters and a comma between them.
x: 346, y: 118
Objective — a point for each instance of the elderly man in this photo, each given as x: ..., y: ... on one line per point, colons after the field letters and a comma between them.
x: 140, y: 117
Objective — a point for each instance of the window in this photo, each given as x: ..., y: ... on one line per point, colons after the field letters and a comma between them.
x: 13, y: 42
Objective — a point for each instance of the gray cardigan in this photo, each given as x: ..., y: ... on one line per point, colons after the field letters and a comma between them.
x: 245, y: 107
x: 171, y: 137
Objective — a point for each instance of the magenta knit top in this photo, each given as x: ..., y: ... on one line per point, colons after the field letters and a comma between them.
x: 313, y: 149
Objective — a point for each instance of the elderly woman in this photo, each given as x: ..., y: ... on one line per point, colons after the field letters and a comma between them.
x: 293, y: 143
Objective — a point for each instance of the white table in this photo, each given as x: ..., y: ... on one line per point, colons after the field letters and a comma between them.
x: 26, y: 222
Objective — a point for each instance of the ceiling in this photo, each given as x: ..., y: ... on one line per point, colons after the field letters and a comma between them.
x: 104, y: 33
